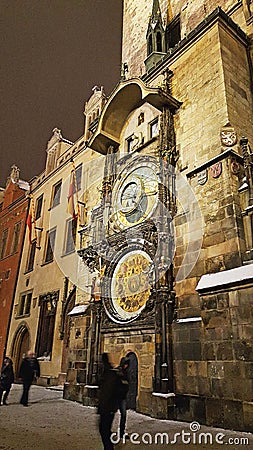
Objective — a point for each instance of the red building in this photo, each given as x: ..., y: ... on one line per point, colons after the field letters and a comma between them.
x: 13, y: 214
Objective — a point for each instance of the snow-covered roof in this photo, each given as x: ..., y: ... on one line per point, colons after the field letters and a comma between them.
x: 239, y: 275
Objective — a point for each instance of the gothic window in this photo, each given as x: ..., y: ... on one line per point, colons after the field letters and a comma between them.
x: 3, y: 244
x: 50, y: 242
x: 56, y: 193
x: 39, y: 207
x: 173, y: 33
x: 150, y: 44
x: 48, y: 305
x: 15, y: 239
x: 24, y: 306
x: 159, y: 42
x: 70, y: 236
x: 31, y: 256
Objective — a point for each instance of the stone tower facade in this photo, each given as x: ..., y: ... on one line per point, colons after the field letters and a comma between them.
x: 170, y: 240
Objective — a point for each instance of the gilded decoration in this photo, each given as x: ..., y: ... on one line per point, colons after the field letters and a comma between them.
x: 130, y: 284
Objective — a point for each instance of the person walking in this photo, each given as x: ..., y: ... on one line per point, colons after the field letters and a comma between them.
x: 108, y: 400
x: 29, y: 372
x: 123, y: 374
x: 132, y: 373
x: 6, y: 380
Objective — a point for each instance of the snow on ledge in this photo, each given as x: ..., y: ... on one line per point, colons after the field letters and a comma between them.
x: 160, y: 394
x: 220, y: 279
x: 78, y: 309
x: 189, y: 319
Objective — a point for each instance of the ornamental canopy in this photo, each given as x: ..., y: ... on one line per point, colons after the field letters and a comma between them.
x: 127, y: 96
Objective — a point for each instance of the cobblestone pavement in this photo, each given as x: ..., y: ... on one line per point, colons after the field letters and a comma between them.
x: 52, y: 423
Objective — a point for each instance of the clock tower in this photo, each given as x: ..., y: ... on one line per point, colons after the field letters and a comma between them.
x: 170, y: 242
x: 134, y: 252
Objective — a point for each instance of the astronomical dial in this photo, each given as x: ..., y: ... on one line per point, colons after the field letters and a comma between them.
x: 130, y: 287
x: 135, y: 196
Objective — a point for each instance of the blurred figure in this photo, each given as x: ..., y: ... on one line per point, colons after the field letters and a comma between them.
x: 6, y: 380
x: 108, y: 401
x: 132, y: 373
x: 29, y: 372
x: 123, y: 373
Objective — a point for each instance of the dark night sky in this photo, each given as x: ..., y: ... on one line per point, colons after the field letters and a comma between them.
x: 52, y: 53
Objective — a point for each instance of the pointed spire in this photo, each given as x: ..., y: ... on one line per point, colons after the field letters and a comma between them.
x: 155, y: 37
x: 156, y: 10
x: 156, y: 16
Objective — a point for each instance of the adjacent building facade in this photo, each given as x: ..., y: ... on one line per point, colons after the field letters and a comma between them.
x: 45, y: 286
x: 13, y: 215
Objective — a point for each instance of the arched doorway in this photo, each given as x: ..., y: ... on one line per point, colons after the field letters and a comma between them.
x: 21, y: 345
x: 133, y: 380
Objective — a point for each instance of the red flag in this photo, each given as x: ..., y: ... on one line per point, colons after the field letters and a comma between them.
x: 71, y: 202
x: 29, y: 224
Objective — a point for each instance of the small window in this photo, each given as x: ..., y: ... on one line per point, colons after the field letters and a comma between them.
x: 7, y: 274
x: 15, y: 239
x: 70, y: 236
x: 173, y: 33
x: 153, y: 128
x: 31, y: 256
x: 141, y: 118
x: 21, y: 305
x: 50, y: 242
x: 28, y: 303
x: 3, y: 244
x: 39, y: 207
x: 24, y: 306
x: 130, y: 144
x: 79, y: 177
x: 56, y: 194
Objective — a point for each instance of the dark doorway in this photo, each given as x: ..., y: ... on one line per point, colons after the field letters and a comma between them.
x: 66, y: 330
x: 133, y: 380
x: 20, y: 347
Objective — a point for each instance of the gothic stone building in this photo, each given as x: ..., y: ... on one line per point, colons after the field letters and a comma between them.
x: 169, y: 244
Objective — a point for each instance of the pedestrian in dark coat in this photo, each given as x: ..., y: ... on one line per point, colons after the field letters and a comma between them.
x: 132, y: 373
x: 29, y: 372
x: 6, y: 380
x: 108, y: 400
x: 123, y: 374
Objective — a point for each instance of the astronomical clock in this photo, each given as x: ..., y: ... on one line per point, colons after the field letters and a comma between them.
x: 134, y: 201
x: 135, y: 195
